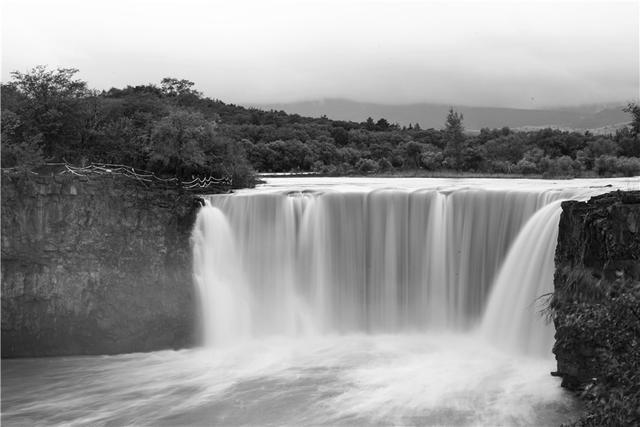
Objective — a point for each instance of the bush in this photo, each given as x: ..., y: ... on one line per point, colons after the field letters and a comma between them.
x: 501, y: 166
x: 629, y: 146
x: 605, y: 165
x: 610, y: 166
x: 431, y: 158
x: 366, y: 166
x: 384, y: 165
x: 25, y: 154
x: 603, y: 147
x: 604, y: 318
x: 562, y: 166
x: 526, y: 167
x: 628, y: 166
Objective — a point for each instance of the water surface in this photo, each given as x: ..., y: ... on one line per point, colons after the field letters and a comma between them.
x: 425, y: 379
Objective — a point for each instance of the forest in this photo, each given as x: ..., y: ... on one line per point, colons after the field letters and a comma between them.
x: 171, y: 129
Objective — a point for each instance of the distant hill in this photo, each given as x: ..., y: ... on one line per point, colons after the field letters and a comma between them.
x: 475, y: 118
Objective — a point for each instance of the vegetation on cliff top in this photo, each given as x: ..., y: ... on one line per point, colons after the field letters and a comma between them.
x: 172, y: 129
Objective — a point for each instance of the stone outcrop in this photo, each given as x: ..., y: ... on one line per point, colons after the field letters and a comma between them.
x: 597, y: 261
x: 95, y: 265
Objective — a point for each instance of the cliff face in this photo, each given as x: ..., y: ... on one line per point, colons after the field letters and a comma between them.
x: 597, y: 287
x: 95, y: 265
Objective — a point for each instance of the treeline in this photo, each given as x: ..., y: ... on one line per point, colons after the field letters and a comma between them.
x: 171, y: 129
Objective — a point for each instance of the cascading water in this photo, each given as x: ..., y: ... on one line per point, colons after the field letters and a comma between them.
x: 513, y: 317
x: 219, y: 279
x: 377, y: 261
x: 343, y: 301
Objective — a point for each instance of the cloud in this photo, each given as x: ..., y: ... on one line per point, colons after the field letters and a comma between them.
x: 474, y: 53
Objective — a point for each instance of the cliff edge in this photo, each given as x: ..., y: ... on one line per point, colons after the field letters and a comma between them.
x: 596, y: 305
x: 94, y: 265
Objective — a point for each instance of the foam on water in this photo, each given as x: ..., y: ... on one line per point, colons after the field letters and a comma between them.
x: 425, y: 379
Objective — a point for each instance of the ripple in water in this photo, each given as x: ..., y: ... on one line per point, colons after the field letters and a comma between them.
x: 332, y: 380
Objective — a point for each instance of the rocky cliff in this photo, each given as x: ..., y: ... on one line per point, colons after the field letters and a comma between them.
x: 94, y: 265
x: 596, y: 305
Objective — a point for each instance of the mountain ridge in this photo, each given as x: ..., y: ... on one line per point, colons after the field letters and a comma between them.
x: 432, y: 115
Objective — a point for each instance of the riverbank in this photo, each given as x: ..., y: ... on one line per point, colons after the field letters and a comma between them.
x: 449, y: 174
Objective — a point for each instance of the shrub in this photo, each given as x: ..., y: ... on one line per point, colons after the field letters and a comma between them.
x: 384, y: 165
x: 501, y: 166
x: 606, y: 165
x: 565, y: 166
x: 366, y: 165
x: 604, y: 317
x: 603, y: 147
x: 628, y: 166
x: 526, y: 167
x: 431, y: 158
x: 25, y: 154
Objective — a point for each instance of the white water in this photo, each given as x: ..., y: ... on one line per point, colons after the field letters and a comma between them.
x: 419, y: 257
x: 514, y: 317
x: 219, y: 278
x: 350, y: 302
x: 350, y: 380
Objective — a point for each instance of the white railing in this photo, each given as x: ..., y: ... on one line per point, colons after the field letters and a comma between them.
x: 139, y: 174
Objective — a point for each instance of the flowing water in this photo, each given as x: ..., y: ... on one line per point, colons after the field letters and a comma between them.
x: 343, y: 302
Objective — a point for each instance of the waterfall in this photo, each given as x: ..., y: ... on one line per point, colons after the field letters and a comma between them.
x: 513, y: 317
x: 219, y: 279
x: 377, y: 261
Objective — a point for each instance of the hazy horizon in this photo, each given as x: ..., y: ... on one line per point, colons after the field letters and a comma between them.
x: 474, y: 53
x: 604, y: 104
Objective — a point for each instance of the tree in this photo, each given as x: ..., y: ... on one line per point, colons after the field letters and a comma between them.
x: 634, y: 109
x: 454, y: 139
x: 18, y: 152
x: 370, y: 124
x: 177, y: 87
x: 602, y: 146
x: 431, y: 157
x: 366, y: 165
x: 413, y: 151
x: 51, y: 104
x: 340, y: 135
x: 382, y: 125
x: 504, y: 148
x: 323, y: 150
x: 47, y: 85
x: 179, y: 141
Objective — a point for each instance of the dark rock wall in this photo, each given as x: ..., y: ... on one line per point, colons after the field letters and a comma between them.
x: 95, y: 265
x: 597, y: 259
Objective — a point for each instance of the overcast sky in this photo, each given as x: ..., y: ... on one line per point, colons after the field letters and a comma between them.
x: 516, y: 54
